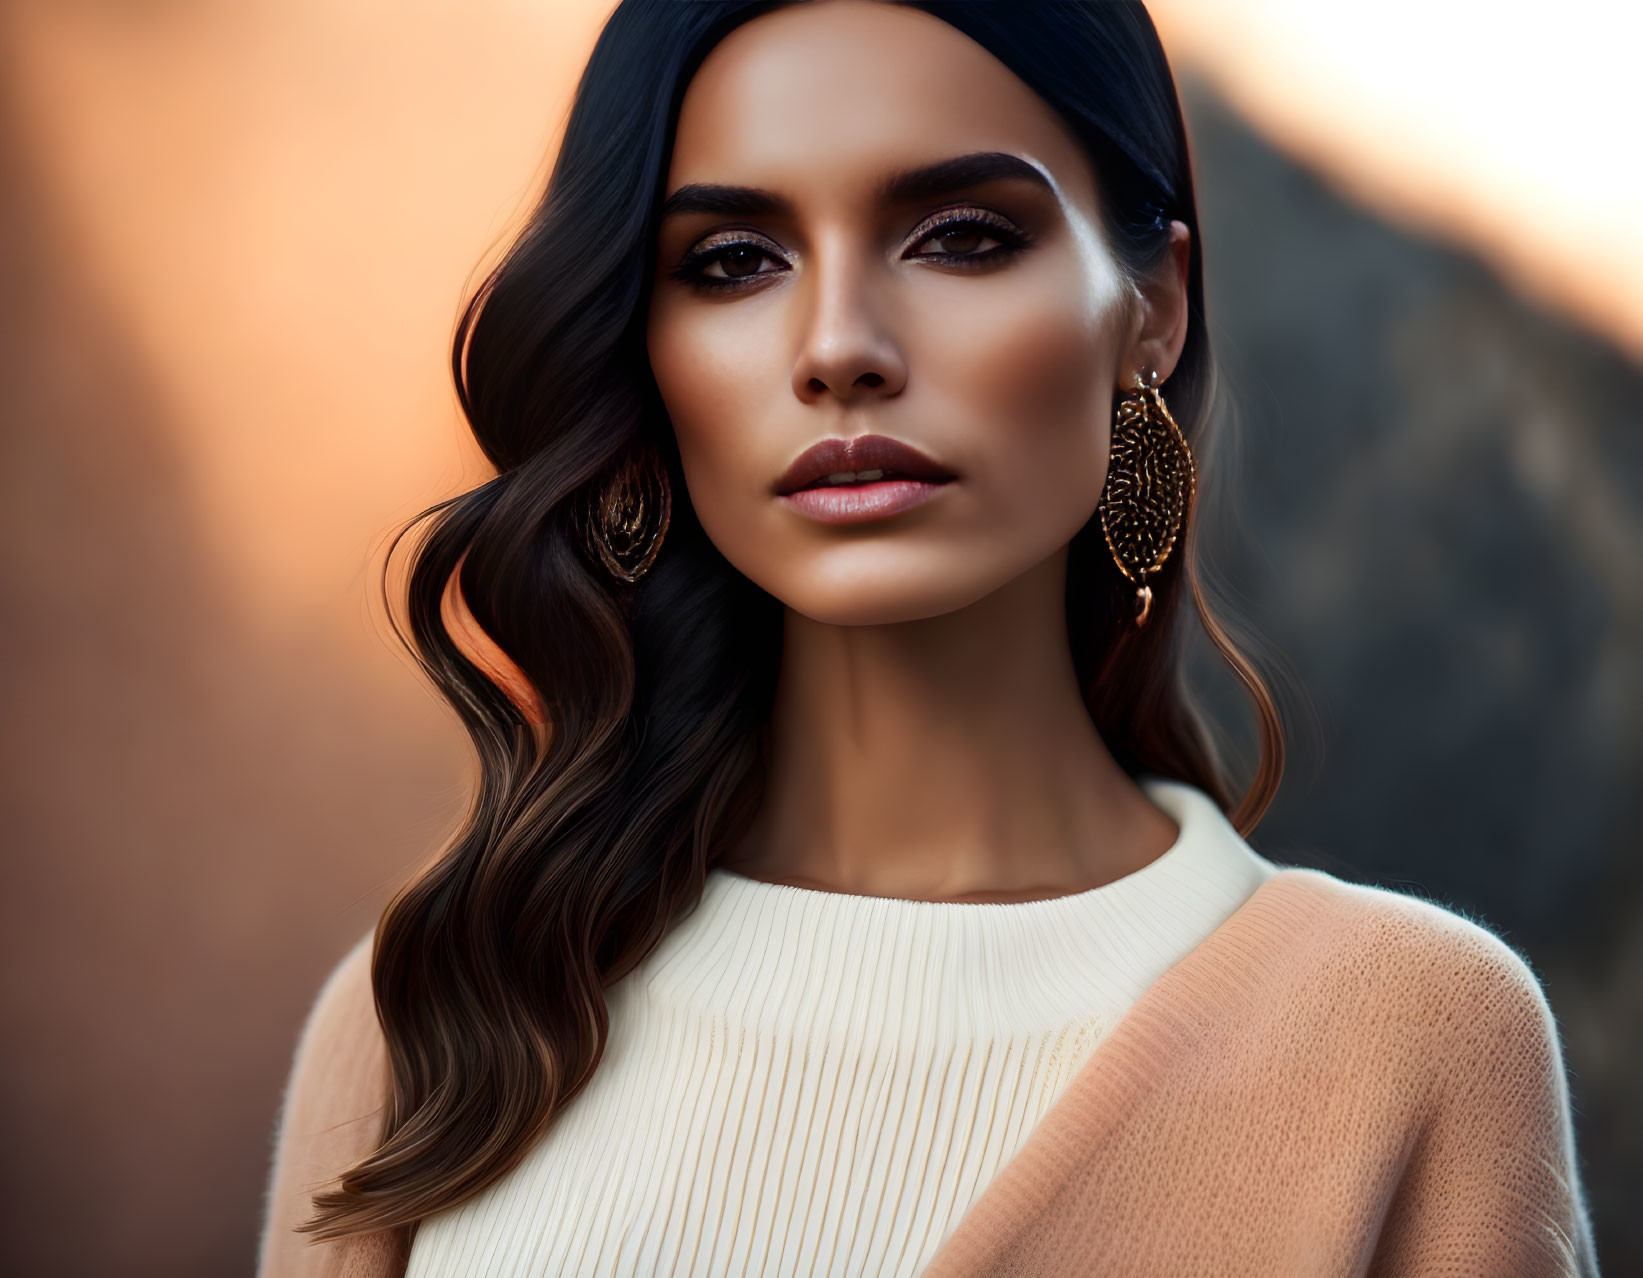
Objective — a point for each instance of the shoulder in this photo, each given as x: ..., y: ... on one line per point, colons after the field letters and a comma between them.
x: 1490, y: 1179
x: 1445, y: 939
x: 1426, y: 1017
x: 345, y: 1001
x: 334, y: 1098
x: 340, y: 1046
x: 341, y: 1056
x: 1448, y: 972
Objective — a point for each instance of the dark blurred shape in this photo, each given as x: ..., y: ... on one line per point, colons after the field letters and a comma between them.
x: 1443, y: 490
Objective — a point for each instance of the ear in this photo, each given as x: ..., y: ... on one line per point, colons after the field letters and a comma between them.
x: 1160, y: 317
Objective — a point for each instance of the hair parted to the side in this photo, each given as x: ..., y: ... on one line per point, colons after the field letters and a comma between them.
x: 591, y: 833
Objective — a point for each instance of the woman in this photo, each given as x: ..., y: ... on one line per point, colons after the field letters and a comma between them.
x: 850, y: 889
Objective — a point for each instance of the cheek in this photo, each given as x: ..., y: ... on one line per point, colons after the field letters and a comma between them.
x: 711, y: 379
x: 1032, y: 377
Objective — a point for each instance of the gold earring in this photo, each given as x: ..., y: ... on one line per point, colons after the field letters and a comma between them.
x: 624, y: 527
x: 1150, y: 483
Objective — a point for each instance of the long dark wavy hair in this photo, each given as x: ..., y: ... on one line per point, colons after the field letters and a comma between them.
x: 591, y: 831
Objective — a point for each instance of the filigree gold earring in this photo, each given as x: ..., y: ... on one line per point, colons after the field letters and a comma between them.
x: 1150, y: 482
x: 624, y: 525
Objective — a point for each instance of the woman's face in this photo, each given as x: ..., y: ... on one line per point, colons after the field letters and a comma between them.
x: 835, y: 309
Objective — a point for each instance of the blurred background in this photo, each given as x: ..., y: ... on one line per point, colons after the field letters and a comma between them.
x: 234, y: 238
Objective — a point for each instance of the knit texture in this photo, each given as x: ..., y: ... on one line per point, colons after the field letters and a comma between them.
x: 810, y: 1082
x: 1342, y: 1080
x: 1338, y: 1079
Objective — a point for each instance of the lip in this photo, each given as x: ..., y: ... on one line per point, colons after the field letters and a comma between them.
x: 864, y: 452
x: 858, y: 503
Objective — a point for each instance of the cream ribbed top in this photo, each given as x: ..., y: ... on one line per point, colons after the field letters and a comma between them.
x: 809, y: 1082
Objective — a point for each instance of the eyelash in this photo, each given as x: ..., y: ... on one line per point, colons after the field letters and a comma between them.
x: 1011, y: 241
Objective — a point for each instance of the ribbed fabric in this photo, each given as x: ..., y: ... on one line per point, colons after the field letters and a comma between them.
x: 810, y: 1082
x: 1340, y: 1079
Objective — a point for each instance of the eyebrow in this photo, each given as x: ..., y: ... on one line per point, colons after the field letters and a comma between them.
x: 929, y: 181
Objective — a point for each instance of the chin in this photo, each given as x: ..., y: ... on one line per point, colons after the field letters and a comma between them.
x: 882, y: 598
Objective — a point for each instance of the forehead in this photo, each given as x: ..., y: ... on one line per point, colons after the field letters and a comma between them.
x: 820, y: 98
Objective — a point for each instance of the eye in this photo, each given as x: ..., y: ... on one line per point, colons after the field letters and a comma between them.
x: 738, y: 258
x: 960, y: 233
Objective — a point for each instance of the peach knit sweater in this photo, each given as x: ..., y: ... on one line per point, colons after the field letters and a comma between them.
x: 1339, y: 1080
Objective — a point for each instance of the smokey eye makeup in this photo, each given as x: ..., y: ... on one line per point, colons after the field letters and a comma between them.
x: 739, y: 253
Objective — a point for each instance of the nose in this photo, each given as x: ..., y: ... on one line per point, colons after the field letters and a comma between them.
x: 847, y: 348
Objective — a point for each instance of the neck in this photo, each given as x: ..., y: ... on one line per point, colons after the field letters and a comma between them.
x: 945, y: 758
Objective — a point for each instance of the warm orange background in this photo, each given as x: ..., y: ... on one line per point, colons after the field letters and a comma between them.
x: 235, y: 239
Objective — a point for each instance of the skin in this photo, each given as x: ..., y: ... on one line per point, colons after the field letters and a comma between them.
x: 928, y: 739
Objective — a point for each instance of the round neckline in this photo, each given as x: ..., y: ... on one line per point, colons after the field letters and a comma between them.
x: 1178, y: 807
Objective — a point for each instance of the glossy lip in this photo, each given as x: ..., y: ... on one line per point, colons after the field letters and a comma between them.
x: 859, y: 503
x: 864, y: 452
